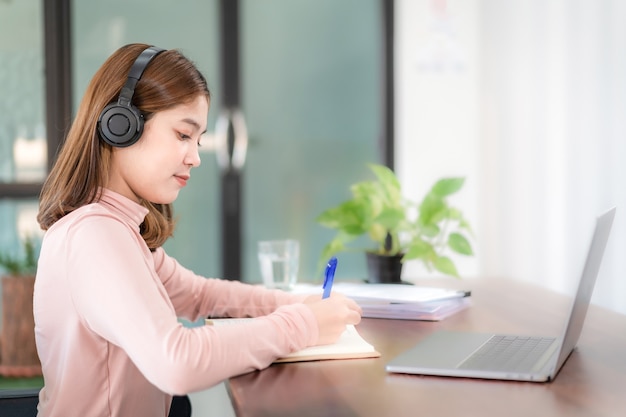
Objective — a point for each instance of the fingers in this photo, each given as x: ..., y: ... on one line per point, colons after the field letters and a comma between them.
x: 346, y: 310
x: 348, y: 302
x: 312, y: 299
x: 353, y: 317
x: 333, y: 314
x: 349, y: 310
x: 354, y: 306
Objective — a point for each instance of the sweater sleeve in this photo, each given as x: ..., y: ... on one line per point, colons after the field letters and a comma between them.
x: 119, y: 296
x: 194, y: 296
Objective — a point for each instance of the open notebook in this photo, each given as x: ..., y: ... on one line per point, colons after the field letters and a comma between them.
x: 350, y: 345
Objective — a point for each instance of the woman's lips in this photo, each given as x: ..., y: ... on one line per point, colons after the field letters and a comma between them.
x: 182, y: 179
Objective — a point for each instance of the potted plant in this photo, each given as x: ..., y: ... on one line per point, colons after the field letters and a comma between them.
x: 18, y: 353
x: 399, y: 229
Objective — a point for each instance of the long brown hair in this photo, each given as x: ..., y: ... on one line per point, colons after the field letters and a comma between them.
x: 84, y: 161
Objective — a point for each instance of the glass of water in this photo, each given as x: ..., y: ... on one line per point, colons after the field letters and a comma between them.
x: 279, y: 263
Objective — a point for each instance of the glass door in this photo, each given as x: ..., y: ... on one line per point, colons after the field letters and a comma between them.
x: 98, y: 29
x: 309, y: 90
x: 311, y: 74
x: 23, y: 146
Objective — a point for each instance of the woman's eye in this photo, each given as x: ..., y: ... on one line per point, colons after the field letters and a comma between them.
x: 185, y: 137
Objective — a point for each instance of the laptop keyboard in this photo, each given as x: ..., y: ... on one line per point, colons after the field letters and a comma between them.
x: 508, y: 353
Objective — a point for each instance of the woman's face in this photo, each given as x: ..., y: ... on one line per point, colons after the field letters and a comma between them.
x: 159, y: 164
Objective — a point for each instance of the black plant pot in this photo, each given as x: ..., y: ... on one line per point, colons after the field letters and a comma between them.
x: 382, y: 269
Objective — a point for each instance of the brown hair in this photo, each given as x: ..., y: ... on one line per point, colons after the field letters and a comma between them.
x: 83, y: 163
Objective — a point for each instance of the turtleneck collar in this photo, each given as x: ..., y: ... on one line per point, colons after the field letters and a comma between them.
x: 135, y: 212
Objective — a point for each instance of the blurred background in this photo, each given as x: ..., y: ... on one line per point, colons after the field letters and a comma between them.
x: 524, y: 98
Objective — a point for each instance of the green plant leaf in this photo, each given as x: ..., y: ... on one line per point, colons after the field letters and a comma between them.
x: 25, y: 264
x: 330, y: 217
x: 431, y: 209
x: 446, y: 186
x: 334, y: 246
x: 12, y: 265
x: 459, y: 244
x: 348, y: 216
x: 367, y: 192
x: 390, y: 217
x: 419, y: 249
x: 455, y: 214
x: 378, y: 233
x: 431, y: 230
x: 463, y: 224
x: 389, y: 183
x: 397, y: 225
x: 445, y: 265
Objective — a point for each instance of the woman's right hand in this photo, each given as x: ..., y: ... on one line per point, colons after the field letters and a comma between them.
x: 332, y: 315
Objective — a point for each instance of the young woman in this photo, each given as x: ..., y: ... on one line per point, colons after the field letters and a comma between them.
x: 107, y: 296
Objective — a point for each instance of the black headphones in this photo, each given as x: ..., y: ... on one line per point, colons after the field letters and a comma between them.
x: 121, y: 124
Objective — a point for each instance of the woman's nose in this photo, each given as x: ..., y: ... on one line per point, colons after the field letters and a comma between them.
x: 193, y: 157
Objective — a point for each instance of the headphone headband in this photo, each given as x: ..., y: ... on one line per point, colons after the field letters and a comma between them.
x: 120, y: 124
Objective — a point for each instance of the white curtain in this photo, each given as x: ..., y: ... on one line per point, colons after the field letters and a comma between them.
x: 527, y: 99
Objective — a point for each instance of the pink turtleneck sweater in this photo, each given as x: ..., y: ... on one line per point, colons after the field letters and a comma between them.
x: 106, y: 319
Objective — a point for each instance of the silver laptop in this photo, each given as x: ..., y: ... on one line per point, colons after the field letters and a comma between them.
x: 509, y: 357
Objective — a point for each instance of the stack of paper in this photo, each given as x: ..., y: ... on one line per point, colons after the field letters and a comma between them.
x: 397, y: 301
x: 431, y: 311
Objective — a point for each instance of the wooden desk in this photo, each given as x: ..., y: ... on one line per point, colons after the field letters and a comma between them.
x: 591, y: 383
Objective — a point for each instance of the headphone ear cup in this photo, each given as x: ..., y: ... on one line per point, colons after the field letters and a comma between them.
x: 120, y: 126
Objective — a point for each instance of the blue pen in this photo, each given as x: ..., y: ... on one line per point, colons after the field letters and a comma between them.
x: 329, y: 276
